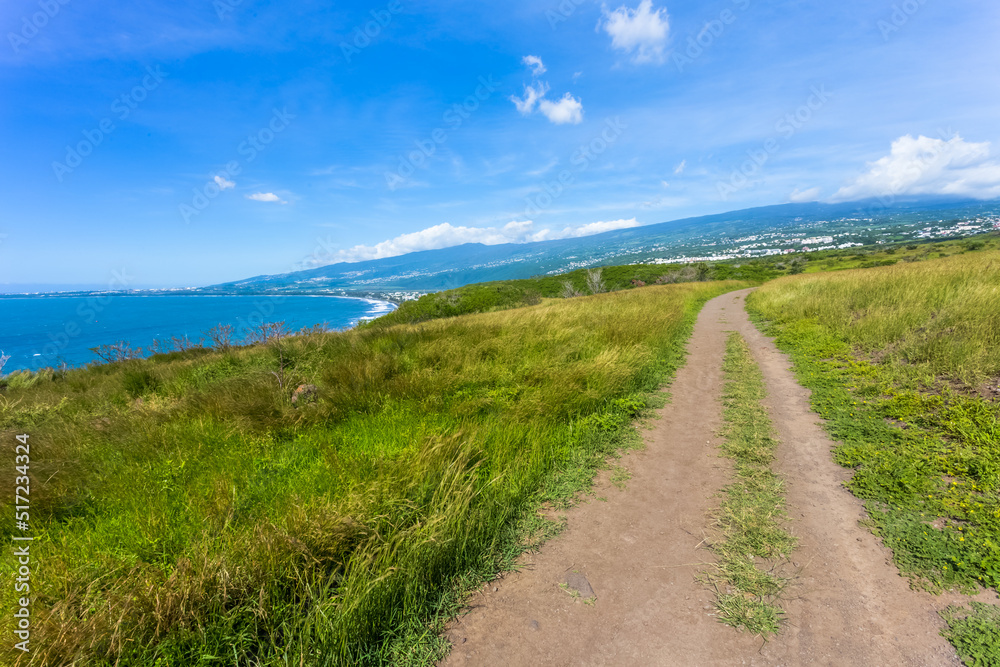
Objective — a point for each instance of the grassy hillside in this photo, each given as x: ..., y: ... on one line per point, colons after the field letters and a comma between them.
x: 904, y: 362
x: 187, y: 513
x: 501, y: 295
x: 899, y: 253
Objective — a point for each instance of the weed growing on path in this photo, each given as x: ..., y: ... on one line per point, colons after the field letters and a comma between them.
x: 750, y: 520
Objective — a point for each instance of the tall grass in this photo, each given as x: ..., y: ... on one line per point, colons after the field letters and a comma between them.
x: 941, y: 317
x: 186, y: 513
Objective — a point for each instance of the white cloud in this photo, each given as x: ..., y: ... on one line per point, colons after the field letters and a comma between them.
x: 446, y: 235
x: 926, y: 166
x: 804, y: 196
x: 223, y: 183
x: 266, y: 197
x: 598, y: 228
x: 641, y: 32
x: 536, y: 65
x: 532, y: 95
x: 567, y: 110
x: 681, y: 167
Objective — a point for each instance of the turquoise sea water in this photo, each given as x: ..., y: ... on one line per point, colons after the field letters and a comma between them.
x: 42, y: 331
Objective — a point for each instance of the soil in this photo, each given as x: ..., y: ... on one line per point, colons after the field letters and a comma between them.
x: 638, y: 553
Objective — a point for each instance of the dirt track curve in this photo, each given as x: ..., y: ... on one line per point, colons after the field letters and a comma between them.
x: 642, y: 549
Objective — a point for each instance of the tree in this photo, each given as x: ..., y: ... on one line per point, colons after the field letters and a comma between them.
x: 268, y: 331
x: 115, y: 352
x: 221, y: 336
x: 183, y: 343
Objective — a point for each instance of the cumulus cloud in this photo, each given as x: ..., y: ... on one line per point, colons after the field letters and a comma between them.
x: 567, y: 110
x: 641, y: 32
x: 536, y: 65
x: 804, y: 196
x: 927, y: 166
x: 223, y: 183
x: 446, y: 235
x: 532, y: 94
x: 266, y: 197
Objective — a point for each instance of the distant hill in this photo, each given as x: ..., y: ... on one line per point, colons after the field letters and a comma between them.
x: 747, y: 233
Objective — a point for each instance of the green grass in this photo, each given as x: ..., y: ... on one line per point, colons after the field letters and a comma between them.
x: 750, y: 522
x: 213, y: 523
x: 504, y: 295
x: 901, y: 361
x: 891, y: 254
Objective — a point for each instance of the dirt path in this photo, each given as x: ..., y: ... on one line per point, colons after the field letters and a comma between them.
x: 642, y: 549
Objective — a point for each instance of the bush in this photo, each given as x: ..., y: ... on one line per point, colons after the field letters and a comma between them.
x: 139, y: 381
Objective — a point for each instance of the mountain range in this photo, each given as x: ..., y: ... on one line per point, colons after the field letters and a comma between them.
x: 747, y: 233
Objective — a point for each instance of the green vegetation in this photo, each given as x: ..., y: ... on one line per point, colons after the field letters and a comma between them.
x: 750, y: 520
x: 975, y: 632
x: 890, y: 254
x: 503, y: 295
x: 904, y: 363
x: 187, y: 513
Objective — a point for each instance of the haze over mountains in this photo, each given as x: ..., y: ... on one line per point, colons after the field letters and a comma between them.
x: 747, y: 233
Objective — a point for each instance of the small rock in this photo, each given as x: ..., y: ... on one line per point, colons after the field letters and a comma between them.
x: 579, y: 583
x: 534, y: 625
x: 305, y: 393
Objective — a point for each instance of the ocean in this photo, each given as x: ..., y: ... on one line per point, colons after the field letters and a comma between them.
x: 49, y: 330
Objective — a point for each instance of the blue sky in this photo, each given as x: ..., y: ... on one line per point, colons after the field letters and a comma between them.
x: 188, y: 143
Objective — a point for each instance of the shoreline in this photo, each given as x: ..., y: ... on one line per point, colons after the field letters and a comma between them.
x: 372, y: 309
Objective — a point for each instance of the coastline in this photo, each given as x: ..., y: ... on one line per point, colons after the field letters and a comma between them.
x: 60, y: 329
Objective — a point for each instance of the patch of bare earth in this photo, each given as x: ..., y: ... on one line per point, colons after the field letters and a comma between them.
x: 618, y: 586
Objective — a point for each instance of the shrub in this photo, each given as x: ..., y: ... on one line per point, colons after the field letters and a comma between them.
x: 139, y: 381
